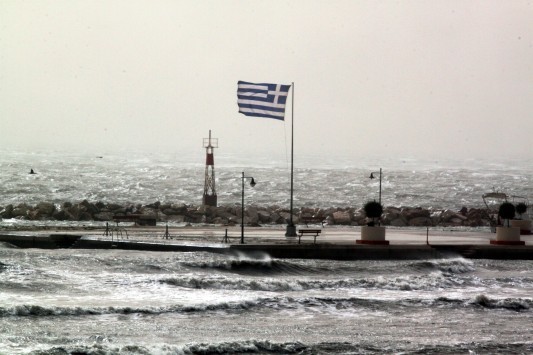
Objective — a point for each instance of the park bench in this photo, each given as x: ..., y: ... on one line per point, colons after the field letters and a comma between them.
x: 314, y: 232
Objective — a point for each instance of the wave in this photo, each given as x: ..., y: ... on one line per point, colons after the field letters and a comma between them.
x: 266, y: 265
x: 449, y: 266
x: 274, y: 303
x: 514, y: 304
x: 251, y: 266
x: 270, y: 347
x: 432, y: 281
x: 232, y: 347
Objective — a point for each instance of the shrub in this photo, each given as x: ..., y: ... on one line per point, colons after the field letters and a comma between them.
x: 506, y: 211
x: 521, y: 208
x: 373, y: 210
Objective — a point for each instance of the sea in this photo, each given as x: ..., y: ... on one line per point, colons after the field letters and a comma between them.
x: 318, y: 181
x: 82, y: 301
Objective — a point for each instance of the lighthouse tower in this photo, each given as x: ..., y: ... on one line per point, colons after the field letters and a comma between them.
x: 210, y: 193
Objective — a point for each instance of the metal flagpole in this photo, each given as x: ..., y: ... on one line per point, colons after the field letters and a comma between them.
x: 291, y: 229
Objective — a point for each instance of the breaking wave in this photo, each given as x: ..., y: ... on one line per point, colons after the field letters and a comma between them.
x: 250, y: 266
x: 434, y: 280
x: 332, y: 304
x: 267, y: 265
x: 449, y: 266
x: 269, y: 347
x: 513, y: 304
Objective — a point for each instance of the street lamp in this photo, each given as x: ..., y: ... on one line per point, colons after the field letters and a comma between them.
x: 373, y: 177
x: 252, y: 184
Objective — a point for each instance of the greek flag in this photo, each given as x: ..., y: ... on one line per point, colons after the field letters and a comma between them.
x: 262, y: 100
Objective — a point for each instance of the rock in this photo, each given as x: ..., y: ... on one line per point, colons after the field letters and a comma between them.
x: 89, y: 207
x: 276, y: 218
x: 74, y: 211
x: 211, y: 211
x: 194, y: 217
x: 233, y: 220
x: 20, y: 211
x: 253, y: 215
x: 398, y: 222
x: 152, y: 212
x: 342, y: 217
x: 389, y: 216
x: 410, y: 213
x: 104, y: 216
x: 420, y: 222
x: 85, y: 216
x: 170, y: 211
x: 164, y: 206
x: 285, y: 216
x: 456, y: 220
x: 61, y: 215
x: 113, y: 207
x: 7, y: 212
x: 154, y: 205
x: 264, y: 216
x: 45, y: 209
x: 180, y: 208
x: 392, y: 210
x: 446, y: 215
x: 359, y: 216
x: 223, y: 213
x: 219, y: 220
x: 176, y: 218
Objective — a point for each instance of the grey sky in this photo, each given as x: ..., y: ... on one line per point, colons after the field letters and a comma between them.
x: 410, y: 78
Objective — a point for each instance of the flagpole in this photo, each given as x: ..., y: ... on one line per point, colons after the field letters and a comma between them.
x: 291, y: 229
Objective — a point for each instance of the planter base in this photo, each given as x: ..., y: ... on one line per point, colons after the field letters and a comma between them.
x: 523, y: 224
x: 372, y: 242
x: 507, y: 242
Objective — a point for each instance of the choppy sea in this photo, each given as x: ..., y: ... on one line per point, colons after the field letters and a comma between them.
x: 144, y: 177
x: 74, y: 301
x: 131, y: 302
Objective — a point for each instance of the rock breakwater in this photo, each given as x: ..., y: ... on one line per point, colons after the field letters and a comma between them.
x: 253, y: 215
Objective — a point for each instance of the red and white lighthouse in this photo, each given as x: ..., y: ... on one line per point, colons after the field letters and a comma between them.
x: 210, y: 193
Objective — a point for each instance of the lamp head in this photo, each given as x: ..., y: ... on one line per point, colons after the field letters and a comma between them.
x: 252, y: 182
x: 372, y: 176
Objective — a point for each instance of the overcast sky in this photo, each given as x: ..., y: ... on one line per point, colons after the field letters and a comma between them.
x: 399, y: 79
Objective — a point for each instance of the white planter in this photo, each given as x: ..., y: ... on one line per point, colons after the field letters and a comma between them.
x: 507, y: 234
x: 523, y: 224
x: 376, y: 233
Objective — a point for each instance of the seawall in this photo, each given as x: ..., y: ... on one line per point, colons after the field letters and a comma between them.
x: 330, y: 251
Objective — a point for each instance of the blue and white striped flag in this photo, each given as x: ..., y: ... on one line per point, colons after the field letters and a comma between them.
x: 262, y: 100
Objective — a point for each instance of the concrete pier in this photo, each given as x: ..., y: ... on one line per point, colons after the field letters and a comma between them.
x: 334, y: 243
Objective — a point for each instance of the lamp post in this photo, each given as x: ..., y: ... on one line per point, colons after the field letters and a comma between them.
x: 373, y: 177
x: 252, y: 184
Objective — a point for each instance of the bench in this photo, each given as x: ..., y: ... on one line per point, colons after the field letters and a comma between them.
x: 314, y: 232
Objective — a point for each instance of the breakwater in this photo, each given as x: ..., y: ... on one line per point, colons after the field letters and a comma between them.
x: 327, y: 250
x: 253, y: 215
